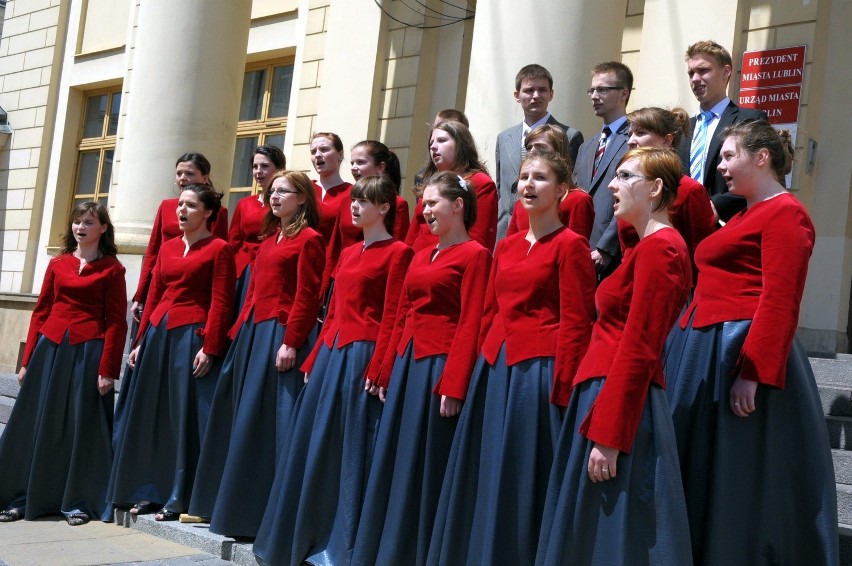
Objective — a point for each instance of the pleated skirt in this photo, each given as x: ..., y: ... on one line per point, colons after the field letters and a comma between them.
x: 761, y: 489
x: 494, y: 490
x: 410, y: 459
x: 251, y: 409
x: 166, y: 413
x: 241, y: 291
x: 56, y: 449
x: 636, y: 518
x: 315, y: 506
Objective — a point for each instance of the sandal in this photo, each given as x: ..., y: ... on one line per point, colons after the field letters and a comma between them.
x: 77, y: 519
x: 143, y: 508
x: 10, y: 515
x: 166, y: 515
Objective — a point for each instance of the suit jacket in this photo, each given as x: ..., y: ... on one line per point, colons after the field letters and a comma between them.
x: 604, y: 231
x: 726, y: 205
x: 508, y: 168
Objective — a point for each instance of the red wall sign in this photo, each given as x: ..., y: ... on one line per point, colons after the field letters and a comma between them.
x: 771, y: 80
x: 773, y: 67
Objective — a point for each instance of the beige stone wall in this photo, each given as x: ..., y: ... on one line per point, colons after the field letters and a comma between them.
x: 27, y: 56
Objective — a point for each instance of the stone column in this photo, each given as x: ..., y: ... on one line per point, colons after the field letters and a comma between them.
x: 182, y: 94
x: 668, y: 29
x: 567, y: 38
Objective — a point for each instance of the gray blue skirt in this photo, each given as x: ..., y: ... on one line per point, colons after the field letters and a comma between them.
x: 496, y: 481
x: 410, y: 459
x: 637, y: 517
x: 760, y: 489
x: 166, y: 412
x: 251, y: 410
x: 316, y: 498
x: 56, y: 450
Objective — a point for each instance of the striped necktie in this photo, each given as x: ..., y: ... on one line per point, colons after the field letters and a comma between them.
x: 699, y: 145
x: 601, y: 148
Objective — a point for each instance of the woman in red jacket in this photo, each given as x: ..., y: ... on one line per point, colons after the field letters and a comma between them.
x: 190, y: 169
x: 576, y: 209
x: 369, y: 158
x: 249, y: 214
x: 539, y: 311
x: 691, y: 213
x: 615, y: 495
x: 426, y: 370
x: 260, y: 379
x: 754, y: 450
x: 320, y: 477
x: 452, y: 149
x: 331, y: 190
x: 56, y: 449
x: 182, y: 335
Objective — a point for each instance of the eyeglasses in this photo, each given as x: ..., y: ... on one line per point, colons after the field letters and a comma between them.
x: 625, y: 176
x: 281, y: 192
x: 602, y: 89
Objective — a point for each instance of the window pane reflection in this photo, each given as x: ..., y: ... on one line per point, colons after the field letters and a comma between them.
x: 114, y: 107
x: 93, y: 122
x: 241, y: 175
x: 251, y: 103
x: 87, y: 173
x: 282, y: 80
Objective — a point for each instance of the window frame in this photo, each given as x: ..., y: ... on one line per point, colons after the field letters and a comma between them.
x: 102, y: 144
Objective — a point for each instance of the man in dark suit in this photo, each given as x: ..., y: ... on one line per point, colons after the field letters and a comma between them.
x: 533, y: 91
x: 599, y: 157
x: 709, y: 67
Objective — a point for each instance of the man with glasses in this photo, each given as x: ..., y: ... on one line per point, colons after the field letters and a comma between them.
x: 709, y: 66
x: 599, y: 156
x: 533, y: 91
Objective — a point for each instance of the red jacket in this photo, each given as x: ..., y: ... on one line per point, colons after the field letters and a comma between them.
x: 346, y: 234
x: 285, y: 284
x: 165, y: 228
x: 690, y: 214
x: 440, y: 312
x: 329, y: 207
x: 637, y: 306
x: 540, y: 302
x: 484, y: 230
x: 576, y: 210
x: 365, y: 299
x: 244, y: 234
x: 88, y: 305
x: 196, y: 288
x: 754, y: 268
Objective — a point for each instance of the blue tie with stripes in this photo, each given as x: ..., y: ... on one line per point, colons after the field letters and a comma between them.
x: 699, y: 143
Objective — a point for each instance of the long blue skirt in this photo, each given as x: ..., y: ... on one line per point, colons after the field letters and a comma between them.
x: 241, y: 291
x: 56, y: 449
x: 320, y: 480
x: 759, y: 490
x: 638, y: 517
x: 252, y: 405
x: 411, y: 455
x: 518, y: 435
x: 166, y: 413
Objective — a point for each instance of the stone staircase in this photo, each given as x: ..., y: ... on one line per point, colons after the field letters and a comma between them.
x: 833, y: 376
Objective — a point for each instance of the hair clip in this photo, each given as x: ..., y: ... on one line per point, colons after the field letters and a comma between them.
x: 463, y: 184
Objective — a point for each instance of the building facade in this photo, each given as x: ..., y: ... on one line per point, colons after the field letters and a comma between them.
x: 102, y: 96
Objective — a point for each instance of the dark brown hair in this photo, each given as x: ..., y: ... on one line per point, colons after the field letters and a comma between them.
x: 378, y: 190
x: 106, y: 244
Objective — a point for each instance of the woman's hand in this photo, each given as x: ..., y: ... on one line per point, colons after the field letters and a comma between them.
x: 201, y: 364
x: 450, y: 406
x: 131, y: 357
x: 742, y: 396
x: 602, y: 462
x: 307, y: 377
x: 371, y: 388
x: 136, y: 311
x: 382, y: 393
x: 285, y: 359
x: 21, y: 375
x: 105, y: 384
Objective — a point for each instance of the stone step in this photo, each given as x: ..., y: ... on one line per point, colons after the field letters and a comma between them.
x: 836, y: 371
x: 845, y: 544
x: 835, y: 400
x: 842, y: 466
x: 844, y: 504
x: 6, y: 404
x: 193, y: 535
x: 9, y: 385
x: 839, y: 432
